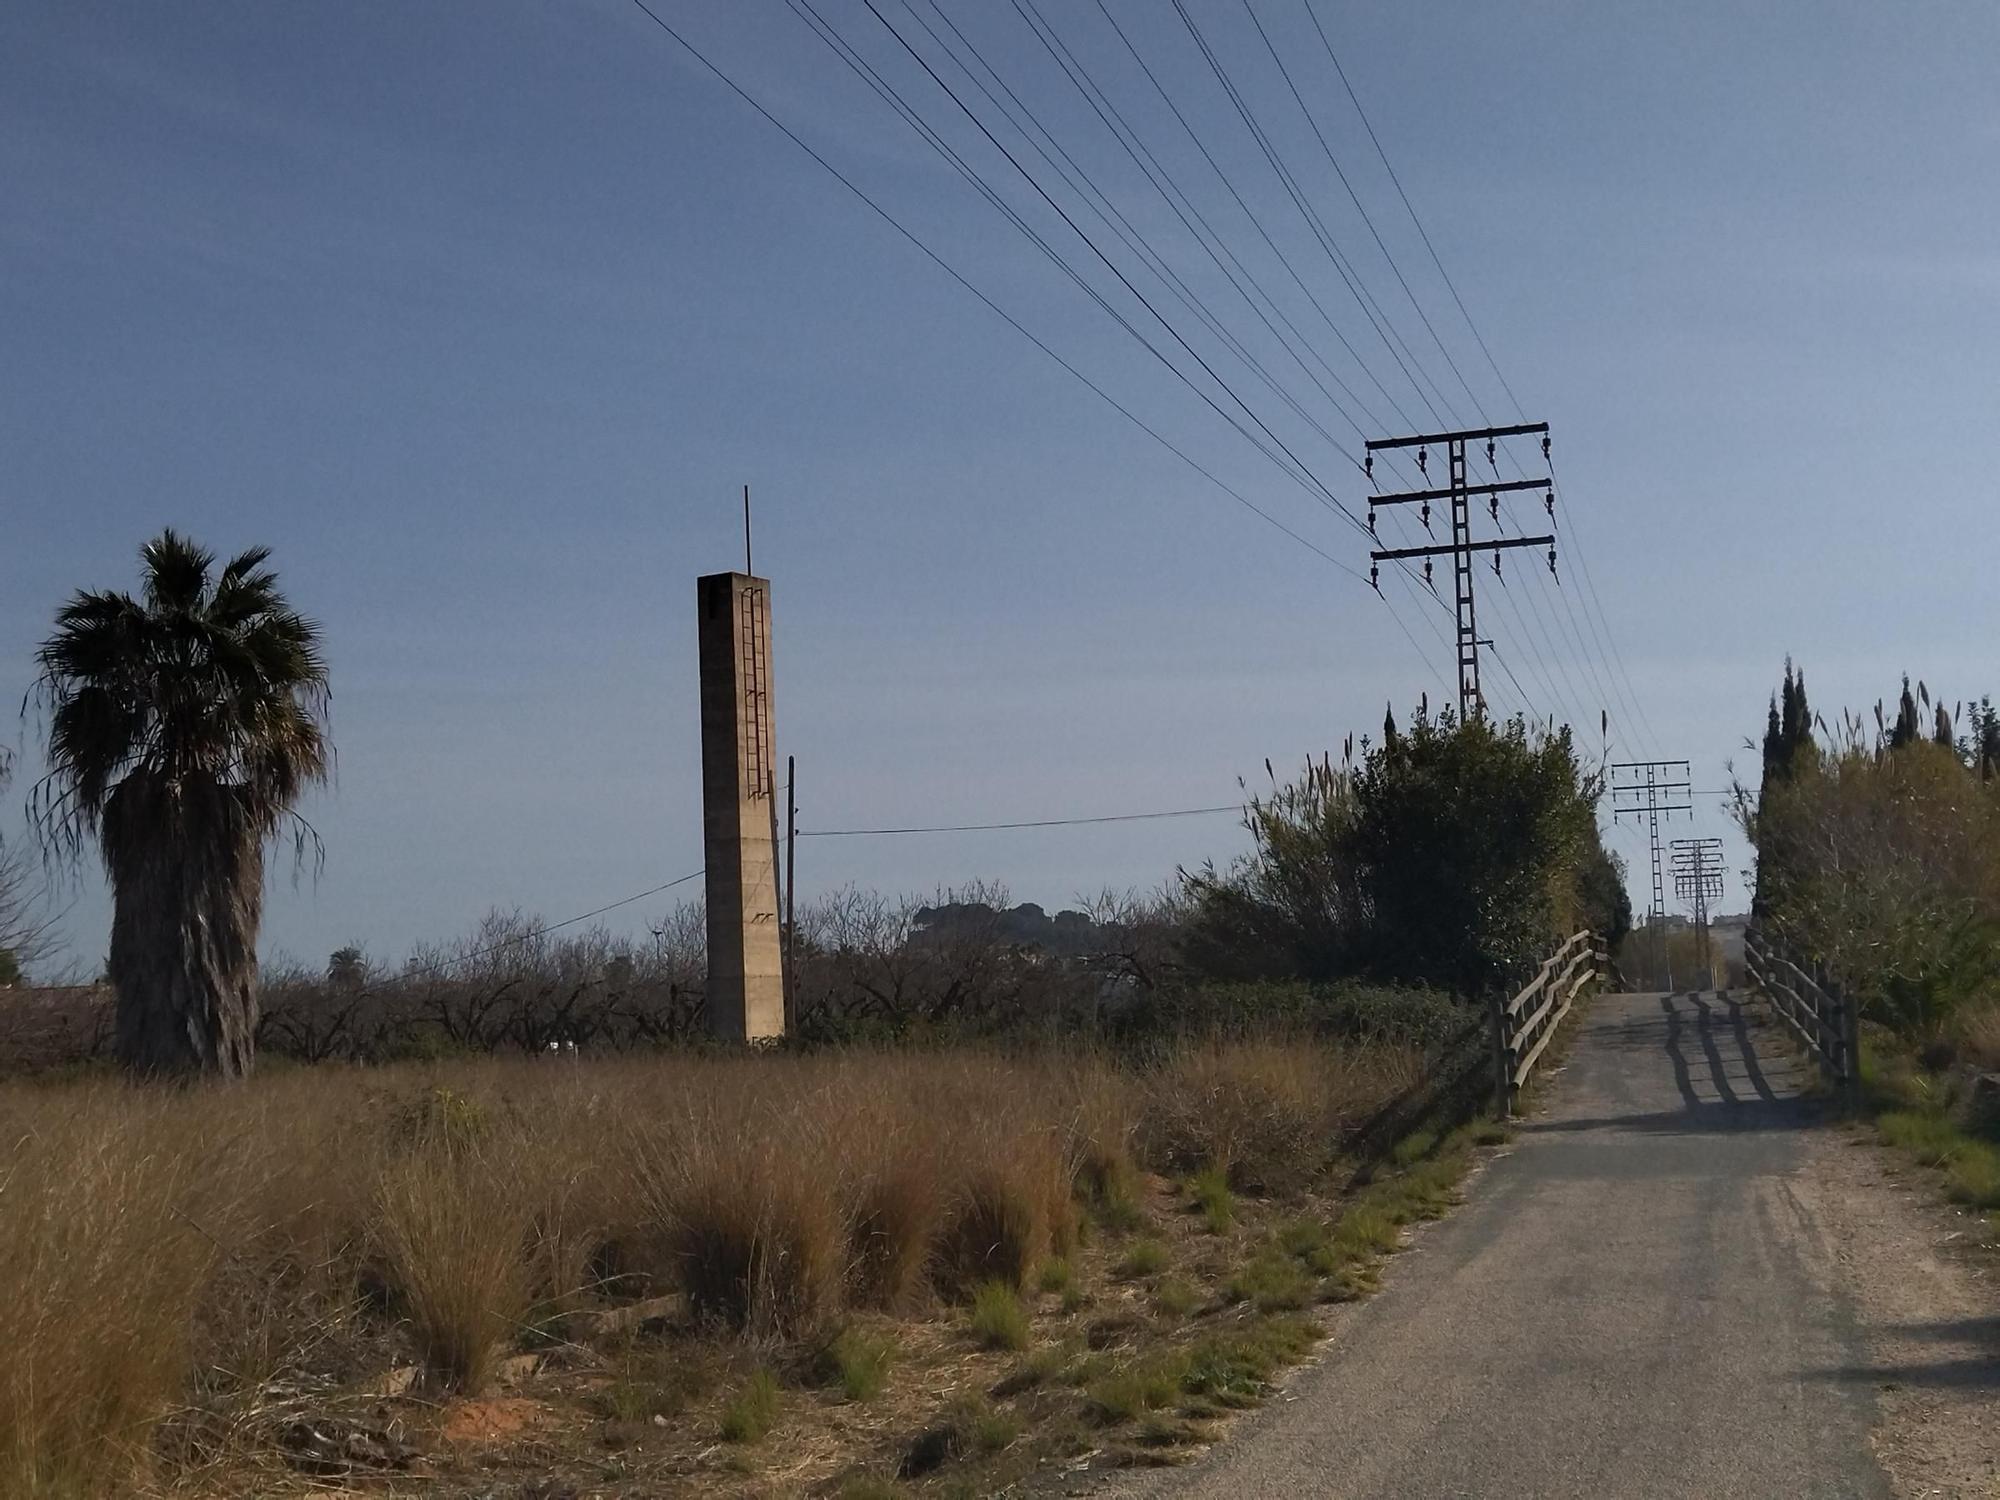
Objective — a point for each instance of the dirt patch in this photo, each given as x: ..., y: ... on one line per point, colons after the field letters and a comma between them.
x: 1924, y: 1284
x: 497, y: 1419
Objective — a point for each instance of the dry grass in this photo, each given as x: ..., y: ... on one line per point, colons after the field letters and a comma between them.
x: 455, y: 1229
x: 186, y: 1254
x: 101, y: 1268
x: 1978, y: 1028
x: 1265, y: 1113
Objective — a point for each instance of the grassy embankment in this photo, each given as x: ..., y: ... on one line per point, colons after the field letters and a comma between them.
x: 1928, y: 1102
x: 848, y: 1273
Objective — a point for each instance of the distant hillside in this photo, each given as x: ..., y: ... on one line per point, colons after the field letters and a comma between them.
x: 1067, y: 933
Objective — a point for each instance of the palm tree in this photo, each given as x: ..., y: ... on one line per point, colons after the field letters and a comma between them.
x: 182, y: 726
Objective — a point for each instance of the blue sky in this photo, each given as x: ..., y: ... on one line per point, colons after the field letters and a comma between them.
x: 481, y: 315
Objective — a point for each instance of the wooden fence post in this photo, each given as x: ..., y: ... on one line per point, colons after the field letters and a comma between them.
x: 1850, y: 1043
x: 1503, y: 1072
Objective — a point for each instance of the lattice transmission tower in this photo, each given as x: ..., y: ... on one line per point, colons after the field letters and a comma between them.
x: 1458, y: 493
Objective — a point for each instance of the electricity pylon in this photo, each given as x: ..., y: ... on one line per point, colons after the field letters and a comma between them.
x: 1459, y: 495
x: 1697, y: 870
x: 1653, y: 789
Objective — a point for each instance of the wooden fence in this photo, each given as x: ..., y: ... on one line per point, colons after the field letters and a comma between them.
x: 1524, y: 1026
x: 1812, y: 1005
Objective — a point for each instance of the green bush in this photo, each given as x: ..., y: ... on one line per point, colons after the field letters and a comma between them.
x: 1455, y: 855
x: 1210, y: 1190
x: 998, y: 1319
x: 1272, y: 1281
x: 858, y: 1363
x: 1144, y: 1258
x: 750, y: 1414
x: 1054, y: 1274
x: 1973, y: 1178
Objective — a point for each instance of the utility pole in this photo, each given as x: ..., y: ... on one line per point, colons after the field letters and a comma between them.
x: 1697, y: 869
x: 1458, y: 493
x: 1653, y: 789
x: 791, y: 893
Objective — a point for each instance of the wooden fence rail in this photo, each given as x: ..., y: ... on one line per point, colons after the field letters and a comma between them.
x: 1524, y: 1026
x: 1818, y: 1014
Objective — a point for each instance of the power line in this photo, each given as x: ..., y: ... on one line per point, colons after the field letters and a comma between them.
x: 1371, y: 310
x: 1353, y: 197
x: 1270, y: 443
x: 1011, y: 321
x: 1424, y: 234
x: 1264, y: 233
x: 1290, y: 464
x: 1161, y: 181
x: 1110, y: 265
x: 1180, y: 812
x: 1377, y: 316
x: 1623, y: 687
x: 1079, y: 181
x: 458, y: 959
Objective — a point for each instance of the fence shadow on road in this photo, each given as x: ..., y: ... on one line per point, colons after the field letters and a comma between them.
x: 1724, y: 1084
x: 1977, y: 1372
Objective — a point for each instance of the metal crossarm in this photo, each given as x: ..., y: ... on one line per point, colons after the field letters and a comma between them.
x: 1476, y: 435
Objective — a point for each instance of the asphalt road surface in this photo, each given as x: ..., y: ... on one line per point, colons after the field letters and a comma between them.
x: 1631, y: 1304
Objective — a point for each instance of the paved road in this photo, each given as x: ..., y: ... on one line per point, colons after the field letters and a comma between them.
x: 1627, y: 1306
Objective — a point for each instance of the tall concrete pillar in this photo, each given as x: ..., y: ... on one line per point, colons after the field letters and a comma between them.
x: 746, y: 985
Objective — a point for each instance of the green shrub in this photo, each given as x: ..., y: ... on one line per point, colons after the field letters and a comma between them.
x: 750, y: 1414
x: 858, y: 1363
x: 1144, y: 1258
x: 1302, y: 1237
x: 1973, y: 1177
x: 1271, y: 1281
x: 998, y: 1319
x: 1176, y: 1296
x: 1926, y: 1134
x: 1232, y: 1368
x: 1055, y: 1274
x: 1367, y: 1229
x: 1414, y: 1148
x: 1145, y: 1385
x: 1210, y: 1190
x: 1119, y: 1212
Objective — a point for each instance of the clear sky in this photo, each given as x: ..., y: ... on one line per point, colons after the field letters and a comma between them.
x: 481, y: 314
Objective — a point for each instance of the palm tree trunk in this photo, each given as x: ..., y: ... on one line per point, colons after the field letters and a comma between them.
x: 184, y: 949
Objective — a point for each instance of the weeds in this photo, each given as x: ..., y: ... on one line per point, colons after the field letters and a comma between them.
x: 1210, y: 1190
x: 1414, y: 1148
x: 1926, y: 1134
x: 1974, y: 1177
x: 998, y: 1319
x: 1144, y: 1258
x: 858, y: 1363
x: 1176, y: 1296
x: 750, y: 1414
x: 1272, y: 1281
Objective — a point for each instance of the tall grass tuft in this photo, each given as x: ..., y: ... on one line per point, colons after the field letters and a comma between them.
x: 102, y: 1273
x: 455, y: 1231
x: 1270, y: 1113
x: 752, y: 1227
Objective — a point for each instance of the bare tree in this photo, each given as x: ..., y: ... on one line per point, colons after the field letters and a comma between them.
x: 27, y: 924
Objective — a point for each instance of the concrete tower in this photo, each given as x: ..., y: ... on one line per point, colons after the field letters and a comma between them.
x: 746, y: 988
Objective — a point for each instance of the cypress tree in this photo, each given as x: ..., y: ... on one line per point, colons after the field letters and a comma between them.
x: 1788, y: 741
